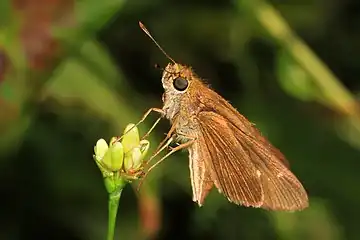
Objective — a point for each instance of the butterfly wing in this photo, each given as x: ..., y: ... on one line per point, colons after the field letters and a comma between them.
x: 231, y: 169
x: 215, y: 103
x: 246, y: 168
x: 282, y: 190
x: 201, y: 181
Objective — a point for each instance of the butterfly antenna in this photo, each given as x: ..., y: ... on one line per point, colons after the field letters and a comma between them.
x: 142, y: 26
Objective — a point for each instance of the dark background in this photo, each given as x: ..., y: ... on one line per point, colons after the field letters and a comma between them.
x: 72, y: 72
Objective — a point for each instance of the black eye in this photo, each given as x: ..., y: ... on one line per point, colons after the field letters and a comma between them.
x: 180, y: 84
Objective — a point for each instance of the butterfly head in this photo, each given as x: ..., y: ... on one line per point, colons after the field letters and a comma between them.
x: 177, y: 84
x: 176, y: 78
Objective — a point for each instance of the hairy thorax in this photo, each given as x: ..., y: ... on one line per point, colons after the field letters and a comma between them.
x: 183, y: 115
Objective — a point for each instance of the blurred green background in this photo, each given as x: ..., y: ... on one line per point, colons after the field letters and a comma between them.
x: 72, y: 72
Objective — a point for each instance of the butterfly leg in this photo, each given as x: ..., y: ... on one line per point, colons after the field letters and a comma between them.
x: 158, y: 110
x: 165, y: 143
x: 173, y: 150
x: 151, y: 129
x: 152, y: 157
x: 168, y: 136
x: 161, y: 147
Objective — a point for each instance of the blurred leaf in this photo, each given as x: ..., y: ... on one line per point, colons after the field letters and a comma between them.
x: 97, y: 60
x: 4, y: 64
x: 92, y: 16
x: 31, y: 45
x: 38, y: 18
x: 150, y: 212
x: 316, y: 222
x: 333, y: 93
x: 294, y: 80
x: 348, y: 128
x: 11, y: 133
x: 76, y: 84
x: 5, y: 13
x: 13, y: 91
x: 318, y: 14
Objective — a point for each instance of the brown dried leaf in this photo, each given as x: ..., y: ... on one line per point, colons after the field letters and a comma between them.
x: 4, y: 64
x: 39, y: 17
x: 150, y: 214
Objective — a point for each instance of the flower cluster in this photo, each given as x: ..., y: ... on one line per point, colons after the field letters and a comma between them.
x: 121, y: 160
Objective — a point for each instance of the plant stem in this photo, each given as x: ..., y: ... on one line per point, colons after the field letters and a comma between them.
x: 114, y: 188
x: 275, y: 25
x: 114, y: 199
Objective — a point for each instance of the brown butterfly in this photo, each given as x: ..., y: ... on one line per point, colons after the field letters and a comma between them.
x: 225, y: 149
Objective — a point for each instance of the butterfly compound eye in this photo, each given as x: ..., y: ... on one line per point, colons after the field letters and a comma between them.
x: 180, y: 84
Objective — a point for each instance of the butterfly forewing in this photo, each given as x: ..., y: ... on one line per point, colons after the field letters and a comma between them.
x: 246, y: 171
x: 250, y: 152
x: 227, y: 162
x: 215, y: 103
x: 282, y: 190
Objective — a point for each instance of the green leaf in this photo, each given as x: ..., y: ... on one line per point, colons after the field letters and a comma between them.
x: 294, y: 80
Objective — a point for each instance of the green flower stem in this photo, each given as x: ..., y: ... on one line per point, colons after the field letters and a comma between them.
x: 119, y: 163
x: 275, y: 25
x: 114, y: 199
